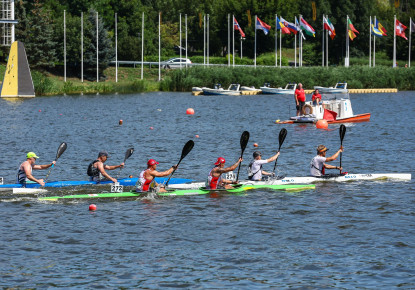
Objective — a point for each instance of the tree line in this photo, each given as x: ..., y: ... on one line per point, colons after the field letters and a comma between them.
x: 41, y: 28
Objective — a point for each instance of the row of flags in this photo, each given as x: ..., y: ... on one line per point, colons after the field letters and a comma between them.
x: 286, y: 27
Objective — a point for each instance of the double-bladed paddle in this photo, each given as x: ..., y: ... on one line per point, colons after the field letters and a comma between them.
x: 60, y: 151
x: 186, y: 149
x: 281, y: 138
x: 128, y: 153
x: 244, y: 142
x: 342, y: 132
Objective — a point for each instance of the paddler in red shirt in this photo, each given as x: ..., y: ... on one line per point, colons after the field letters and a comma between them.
x: 215, y: 179
x: 316, y: 98
x: 299, y: 96
x: 146, y: 177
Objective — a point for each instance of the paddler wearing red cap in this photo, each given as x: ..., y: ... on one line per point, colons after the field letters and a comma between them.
x: 96, y: 169
x: 215, y: 180
x: 146, y: 180
x: 318, y: 165
x: 25, y: 170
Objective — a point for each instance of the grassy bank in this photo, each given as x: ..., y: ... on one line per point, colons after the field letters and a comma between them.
x: 129, y: 79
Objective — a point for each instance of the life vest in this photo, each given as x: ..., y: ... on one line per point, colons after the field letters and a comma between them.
x: 212, y: 181
x: 143, y: 183
x: 93, y: 171
x: 21, y: 175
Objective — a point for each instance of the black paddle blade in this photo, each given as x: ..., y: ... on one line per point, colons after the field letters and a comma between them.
x: 61, y: 149
x: 128, y: 153
x: 281, y: 137
x: 342, y: 131
x: 187, y: 148
x: 244, y: 140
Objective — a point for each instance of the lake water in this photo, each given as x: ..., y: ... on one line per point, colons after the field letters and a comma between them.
x: 350, y: 235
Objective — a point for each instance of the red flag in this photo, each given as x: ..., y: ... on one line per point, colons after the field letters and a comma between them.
x: 400, y: 29
x: 237, y: 27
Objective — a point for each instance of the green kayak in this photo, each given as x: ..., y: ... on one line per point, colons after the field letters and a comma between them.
x: 183, y: 192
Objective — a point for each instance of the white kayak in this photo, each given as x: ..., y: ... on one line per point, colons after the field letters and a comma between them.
x: 23, y: 190
x: 311, y: 179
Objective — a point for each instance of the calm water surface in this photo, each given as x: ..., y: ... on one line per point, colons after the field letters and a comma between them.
x: 350, y: 235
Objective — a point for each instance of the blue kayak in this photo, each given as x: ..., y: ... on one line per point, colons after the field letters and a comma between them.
x: 125, y: 182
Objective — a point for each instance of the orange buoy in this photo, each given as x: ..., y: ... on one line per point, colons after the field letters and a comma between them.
x: 255, y: 145
x: 322, y: 124
x: 190, y: 111
x: 197, y: 136
x: 92, y: 207
x: 120, y: 122
x: 151, y: 128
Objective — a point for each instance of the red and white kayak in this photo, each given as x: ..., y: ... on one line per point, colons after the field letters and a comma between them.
x: 312, y: 179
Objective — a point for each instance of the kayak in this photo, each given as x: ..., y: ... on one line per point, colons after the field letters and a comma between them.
x: 178, y: 192
x: 124, y: 182
x: 311, y: 179
x: 23, y: 190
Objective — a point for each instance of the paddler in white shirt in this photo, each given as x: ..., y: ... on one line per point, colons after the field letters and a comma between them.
x: 318, y: 165
x: 25, y: 170
x: 255, y: 167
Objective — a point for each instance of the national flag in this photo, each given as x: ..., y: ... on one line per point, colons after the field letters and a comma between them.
x: 307, y: 27
x: 329, y: 26
x: 237, y: 27
x: 351, y: 29
x: 282, y: 27
x: 376, y: 31
x: 400, y: 29
x: 291, y: 26
x: 380, y: 28
x: 298, y: 28
x: 262, y: 26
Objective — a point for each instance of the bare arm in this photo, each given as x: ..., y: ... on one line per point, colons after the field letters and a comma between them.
x: 112, y: 167
x: 333, y: 157
x: 30, y: 176
x: 273, y: 158
x: 230, y: 168
x: 328, y: 166
x: 45, y: 166
x: 101, y: 169
x: 155, y: 173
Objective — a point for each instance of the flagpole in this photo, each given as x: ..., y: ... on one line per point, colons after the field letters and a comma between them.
x: 142, y: 46
x: 116, y: 50
x: 159, y: 46
x: 255, y: 43
x: 295, y: 43
x: 410, y: 32
x: 347, y: 43
x: 322, y: 46
x: 327, y: 46
x: 276, y: 41
x: 64, y: 43
x: 394, y: 42
x: 374, y: 46
x: 204, y: 40
x: 97, y: 51
x: 280, y: 45
x: 180, y: 39
x: 207, y: 40
x: 229, y: 42
x: 82, y: 46
x: 370, y: 42
x: 185, y: 28
x: 233, y: 41
x: 300, y: 57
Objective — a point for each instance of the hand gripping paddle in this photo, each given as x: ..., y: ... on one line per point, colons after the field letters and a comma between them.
x: 128, y: 153
x: 186, y: 149
x: 281, y: 138
x: 244, y: 142
x: 60, y: 151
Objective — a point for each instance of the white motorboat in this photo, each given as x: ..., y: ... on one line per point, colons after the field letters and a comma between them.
x: 335, y: 107
x: 339, y: 88
x: 288, y: 90
x: 233, y: 90
x: 310, y: 179
x: 245, y: 88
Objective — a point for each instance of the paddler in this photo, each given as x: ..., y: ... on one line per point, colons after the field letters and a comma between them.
x: 146, y: 178
x: 255, y: 167
x: 215, y: 180
x: 25, y: 170
x: 318, y: 165
x: 96, y: 169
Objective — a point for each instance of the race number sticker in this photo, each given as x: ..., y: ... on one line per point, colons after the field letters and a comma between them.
x: 1, y: 180
x: 230, y: 176
x: 116, y: 187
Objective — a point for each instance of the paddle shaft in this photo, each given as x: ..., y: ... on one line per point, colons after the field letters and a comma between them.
x: 342, y: 131
x: 127, y: 155
x: 60, y: 151
x: 186, y: 149
x: 281, y: 139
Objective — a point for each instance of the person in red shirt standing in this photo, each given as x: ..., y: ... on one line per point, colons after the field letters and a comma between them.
x: 299, y: 96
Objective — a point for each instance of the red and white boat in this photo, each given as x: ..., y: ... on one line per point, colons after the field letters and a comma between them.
x: 336, y: 107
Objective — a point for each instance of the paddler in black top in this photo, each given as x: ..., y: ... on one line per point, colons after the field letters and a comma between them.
x: 96, y: 169
x: 25, y: 170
